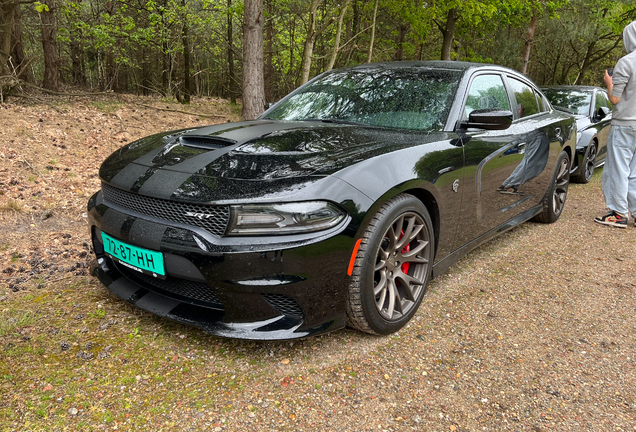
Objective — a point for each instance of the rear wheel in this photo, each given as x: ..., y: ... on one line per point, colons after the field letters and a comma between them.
x: 587, y: 165
x: 392, y: 267
x: 554, y: 199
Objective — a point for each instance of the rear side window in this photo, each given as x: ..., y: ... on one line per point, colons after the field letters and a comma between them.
x: 525, y: 98
x: 487, y: 92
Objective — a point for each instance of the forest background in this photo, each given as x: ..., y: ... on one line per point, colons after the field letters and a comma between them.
x: 260, y: 50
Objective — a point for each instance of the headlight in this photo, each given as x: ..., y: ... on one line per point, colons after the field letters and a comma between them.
x: 292, y: 218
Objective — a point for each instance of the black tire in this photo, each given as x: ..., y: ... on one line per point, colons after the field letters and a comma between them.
x: 554, y: 199
x: 390, y: 274
x: 586, y: 170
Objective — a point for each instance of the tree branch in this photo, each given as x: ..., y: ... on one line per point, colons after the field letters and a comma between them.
x: 181, y: 112
x: 62, y: 93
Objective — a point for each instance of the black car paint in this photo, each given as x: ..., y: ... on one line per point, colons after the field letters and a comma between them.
x: 455, y: 172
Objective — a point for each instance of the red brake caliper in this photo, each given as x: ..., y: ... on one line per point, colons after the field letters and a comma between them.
x: 407, y: 248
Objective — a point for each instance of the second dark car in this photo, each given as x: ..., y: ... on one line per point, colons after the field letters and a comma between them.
x: 336, y: 206
x: 593, y: 112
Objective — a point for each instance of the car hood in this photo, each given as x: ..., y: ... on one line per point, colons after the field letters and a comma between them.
x: 251, y: 151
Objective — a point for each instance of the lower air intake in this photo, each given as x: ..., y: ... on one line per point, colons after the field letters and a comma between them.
x: 283, y: 304
x: 181, y: 289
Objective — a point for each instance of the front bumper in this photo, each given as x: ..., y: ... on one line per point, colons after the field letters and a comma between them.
x: 274, y: 291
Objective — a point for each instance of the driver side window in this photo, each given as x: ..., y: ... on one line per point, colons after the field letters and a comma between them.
x: 487, y: 92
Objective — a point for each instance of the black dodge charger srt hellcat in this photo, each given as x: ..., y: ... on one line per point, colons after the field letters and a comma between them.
x: 336, y: 206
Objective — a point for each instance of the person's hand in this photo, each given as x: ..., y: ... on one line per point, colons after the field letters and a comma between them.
x: 608, y: 79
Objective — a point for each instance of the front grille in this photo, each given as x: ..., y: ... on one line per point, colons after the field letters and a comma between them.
x: 171, y: 211
x: 283, y: 304
x: 175, y: 287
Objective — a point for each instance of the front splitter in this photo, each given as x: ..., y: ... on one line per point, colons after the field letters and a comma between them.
x: 209, y: 319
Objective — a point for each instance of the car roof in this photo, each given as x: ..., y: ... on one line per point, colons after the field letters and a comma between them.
x: 572, y: 87
x: 432, y: 64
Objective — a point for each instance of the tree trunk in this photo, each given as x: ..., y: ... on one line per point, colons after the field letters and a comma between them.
x: 310, y: 41
x: 7, y: 10
x: 49, y: 45
x: 375, y: 14
x: 17, y: 49
x: 336, y: 44
x: 449, y: 33
x: 269, y: 52
x: 586, y: 63
x: 292, y: 38
x: 528, y: 44
x: 230, y: 54
x: 165, y: 58
x: 110, y: 79
x: 402, y: 31
x: 77, y: 61
x: 253, y: 82
x: 354, y: 28
x: 186, y: 58
x: 77, y: 56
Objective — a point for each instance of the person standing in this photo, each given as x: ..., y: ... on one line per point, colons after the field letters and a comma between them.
x: 619, y: 174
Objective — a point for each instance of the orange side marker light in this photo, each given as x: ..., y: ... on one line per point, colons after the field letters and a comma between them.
x: 353, y: 257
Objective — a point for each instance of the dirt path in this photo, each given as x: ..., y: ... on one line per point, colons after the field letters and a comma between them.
x: 534, y: 331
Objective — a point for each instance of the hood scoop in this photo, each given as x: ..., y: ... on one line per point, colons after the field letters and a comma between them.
x: 204, y: 142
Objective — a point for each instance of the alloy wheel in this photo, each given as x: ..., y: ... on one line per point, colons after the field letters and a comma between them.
x: 562, y: 182
x: 401, y: 267
x: 590, y: 160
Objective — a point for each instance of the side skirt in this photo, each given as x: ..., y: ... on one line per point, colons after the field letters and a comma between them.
x: 442, y: 265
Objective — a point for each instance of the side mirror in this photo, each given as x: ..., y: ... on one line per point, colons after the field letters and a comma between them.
x: 489, y: 118
x: 602, y: 112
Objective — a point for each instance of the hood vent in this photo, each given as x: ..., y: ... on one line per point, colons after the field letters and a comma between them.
x: 204, y: 142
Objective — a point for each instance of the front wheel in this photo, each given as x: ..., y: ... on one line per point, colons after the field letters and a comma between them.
x: 554, y: 199
x: 392, y: 267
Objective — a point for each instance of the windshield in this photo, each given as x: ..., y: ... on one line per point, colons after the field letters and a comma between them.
x: 577, y: 102
x: 415, y: 99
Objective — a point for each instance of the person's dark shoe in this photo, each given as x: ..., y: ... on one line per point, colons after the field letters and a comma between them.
x: 614, y: 219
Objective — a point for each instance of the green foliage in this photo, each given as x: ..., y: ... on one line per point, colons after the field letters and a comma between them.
x: 40, y: 7
x: 139, y: 46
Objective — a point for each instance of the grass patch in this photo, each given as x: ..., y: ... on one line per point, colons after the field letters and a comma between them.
x: 106, y: 107
x: 13, y: 320
x: 99, y: 313
x: 12, y: 206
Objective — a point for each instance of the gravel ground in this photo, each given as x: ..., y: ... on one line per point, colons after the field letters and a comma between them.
x: 534, y: 331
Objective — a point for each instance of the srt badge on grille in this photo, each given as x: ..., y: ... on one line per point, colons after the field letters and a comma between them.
x: 199, y: 215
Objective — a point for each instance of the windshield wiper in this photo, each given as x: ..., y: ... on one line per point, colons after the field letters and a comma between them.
x: 344, y: 122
